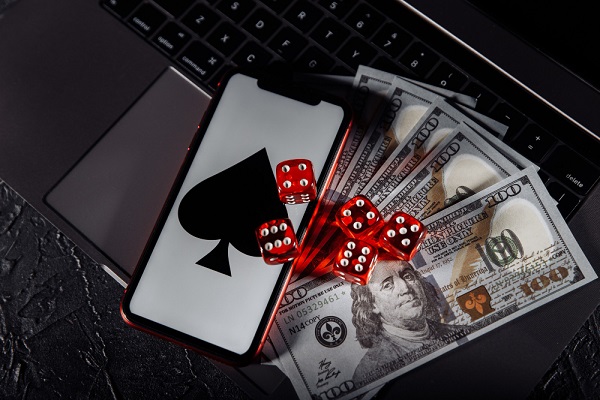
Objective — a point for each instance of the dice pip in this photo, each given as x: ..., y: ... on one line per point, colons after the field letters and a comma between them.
x: 355, y: 261
x: 402, y: 235
x: 359, y: 218
x: 296, y: 181
x: 277, y: 241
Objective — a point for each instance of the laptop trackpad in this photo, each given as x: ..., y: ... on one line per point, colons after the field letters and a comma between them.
x: 115, y: 192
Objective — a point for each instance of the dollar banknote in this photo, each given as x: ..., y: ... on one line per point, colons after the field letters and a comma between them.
x: 462, y: 165
x: 404, y: 106
x: 371, y: 95
x: 420, y: 140
x: 486, y: 260
x: 370, y: 100
x: 370, y: 87
x: 439, y: 120
x: 486, y: 122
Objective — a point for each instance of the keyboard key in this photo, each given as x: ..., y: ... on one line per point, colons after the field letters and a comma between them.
x: 171, y: 38
x: 364, y: 20
x: 356, y: 52
x: 201, y: 19
x: 448, y: 77
x: 303, y: 15
x: 236, y: 9
x: 570, y: 169
x: 226, y: 38
x: 200, y: 60
x: 147, y: 19
x: 175, y: 8
x: 485, y: 100
x: 507, y: 115
x: 252, y: 55
x: 262, y: 24
x: 314, y: 60
x: 339, y: 8
x: 330, y: 34
x: 533, y: 143
x: 121, y: 7
x: 392, y: 39
x: 567, y: 201
x: 287, y: 43
x: 419, y: 59
x: 276, y: 5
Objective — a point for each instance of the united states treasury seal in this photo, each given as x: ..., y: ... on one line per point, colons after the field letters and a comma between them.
x: 331, y: 331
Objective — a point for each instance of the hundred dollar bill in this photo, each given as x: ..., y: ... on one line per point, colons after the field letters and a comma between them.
x: 370, y: 88
x: 486, y: 260
x: 269, y: 357
x: 432, y: 128
x: 488, y: 123
x: 462, y: 165
x: 515, y: 157
x: 405, y: 104
x: 370, y: 96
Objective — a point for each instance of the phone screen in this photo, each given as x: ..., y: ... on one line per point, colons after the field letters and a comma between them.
x: 205, y: 277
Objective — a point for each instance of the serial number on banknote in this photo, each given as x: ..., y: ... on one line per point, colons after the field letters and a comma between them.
x: 313, y: 307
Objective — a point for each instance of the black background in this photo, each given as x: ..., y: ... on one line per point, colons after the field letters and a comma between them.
x: 565, y: 31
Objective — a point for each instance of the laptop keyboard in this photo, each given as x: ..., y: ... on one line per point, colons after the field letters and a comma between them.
x: 207, y: 37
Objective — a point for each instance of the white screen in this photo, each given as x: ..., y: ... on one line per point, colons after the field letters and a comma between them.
x: 173, y: 290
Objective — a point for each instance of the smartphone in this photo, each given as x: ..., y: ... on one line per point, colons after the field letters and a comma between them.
x: 201, y: 281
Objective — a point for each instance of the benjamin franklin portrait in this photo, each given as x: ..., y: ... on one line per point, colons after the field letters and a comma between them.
x: 396, y: 314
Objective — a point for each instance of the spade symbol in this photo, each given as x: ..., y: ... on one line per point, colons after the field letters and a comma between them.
x: 229, y: 206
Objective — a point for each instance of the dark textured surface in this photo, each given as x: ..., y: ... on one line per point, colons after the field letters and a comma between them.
x: 576, y: 372
x: 62, y: 335
x: 61, y: 332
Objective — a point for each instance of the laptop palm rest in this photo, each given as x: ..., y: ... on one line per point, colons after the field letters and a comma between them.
x: 114, y: 194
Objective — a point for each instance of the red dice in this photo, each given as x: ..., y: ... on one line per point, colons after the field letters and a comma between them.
x: 296, y: 181
x: 402, y: 235
x: 277, y: 241
x: 355, y: 261
x: 359, y: 218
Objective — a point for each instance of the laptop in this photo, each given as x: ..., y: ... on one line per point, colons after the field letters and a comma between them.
x: 100, y: 99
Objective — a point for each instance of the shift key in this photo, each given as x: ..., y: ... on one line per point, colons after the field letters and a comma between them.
x: 571, y: 169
